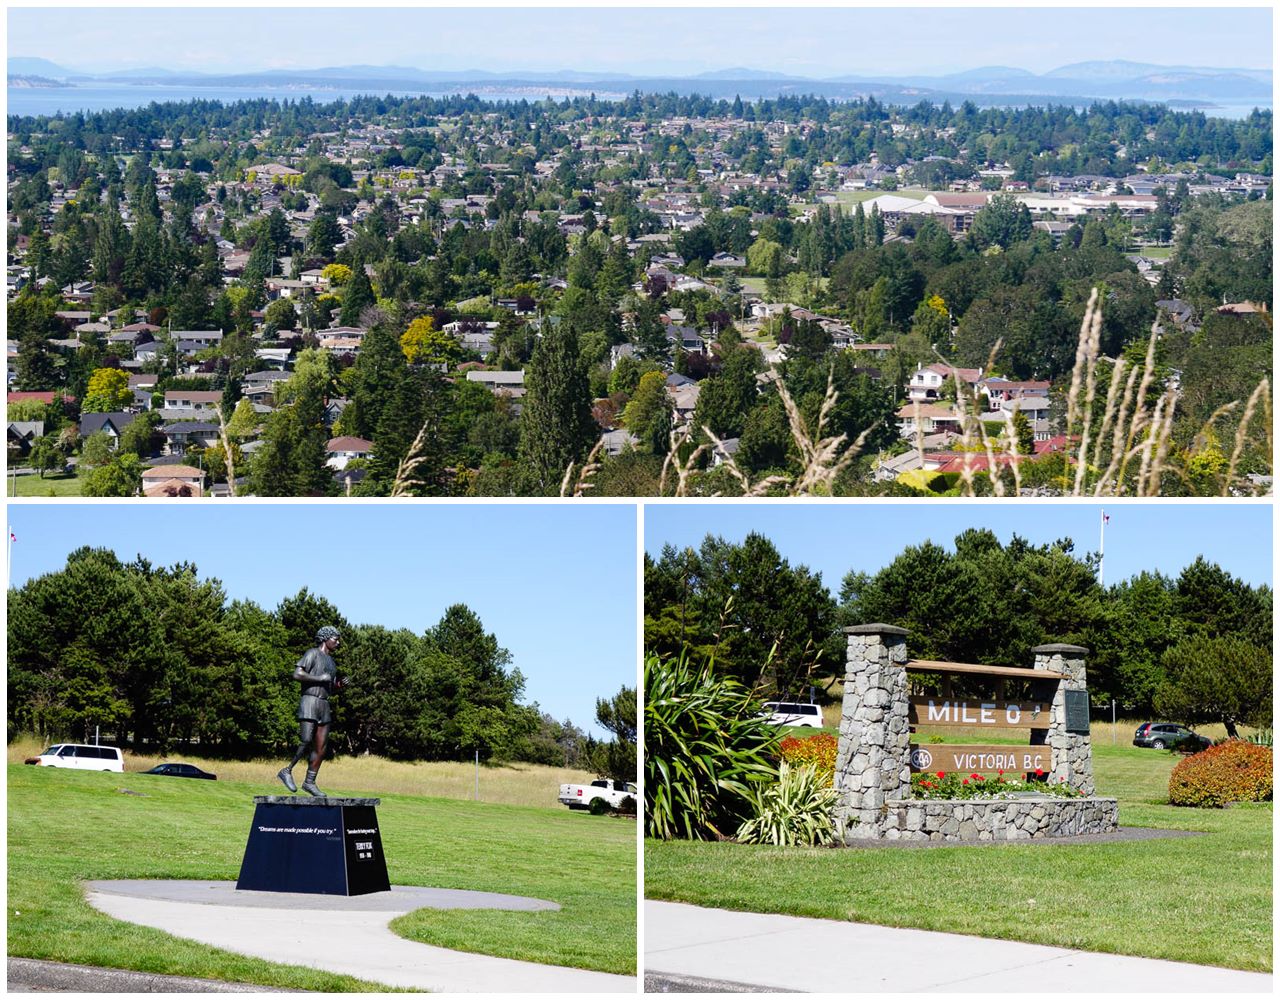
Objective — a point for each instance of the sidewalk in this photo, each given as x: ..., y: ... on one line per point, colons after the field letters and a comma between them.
x: 343, y: 934
x: 801, y: 955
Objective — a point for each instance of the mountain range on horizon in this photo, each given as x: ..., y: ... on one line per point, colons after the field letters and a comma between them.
x: 1104, y: 79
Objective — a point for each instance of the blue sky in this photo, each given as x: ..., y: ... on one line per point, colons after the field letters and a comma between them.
x: 805, y: 41
x: 555, y: 583
x: 834, y: 539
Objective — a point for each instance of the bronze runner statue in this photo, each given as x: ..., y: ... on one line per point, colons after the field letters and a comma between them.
x: 318, y: 675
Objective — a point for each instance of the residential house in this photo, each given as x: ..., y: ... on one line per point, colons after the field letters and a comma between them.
x: 926, y: 383
x: 184, y: 434
x: 341, y: 450
x: 997, y: 390
x: 507, y: 383
x: 173, y: 481
x: 927, y: 418
x: 111, y: 424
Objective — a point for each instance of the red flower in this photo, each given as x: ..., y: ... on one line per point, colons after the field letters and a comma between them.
x: 965, y: 782
x: 940, y: 774
x: 1039, y: 773
x: 999, y: 772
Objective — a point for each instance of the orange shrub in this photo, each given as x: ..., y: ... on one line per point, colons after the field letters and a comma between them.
x: 819, y: 750
x: 1234, y: 771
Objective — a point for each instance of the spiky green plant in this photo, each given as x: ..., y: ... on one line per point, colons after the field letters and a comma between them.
x: 705, y: 750
x: 794, y: 811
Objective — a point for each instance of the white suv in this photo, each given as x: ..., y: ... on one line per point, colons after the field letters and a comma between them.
x: 790, y: 713
x: 81, y: 756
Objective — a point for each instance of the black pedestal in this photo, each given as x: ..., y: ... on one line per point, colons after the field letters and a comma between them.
x: 322, y: 845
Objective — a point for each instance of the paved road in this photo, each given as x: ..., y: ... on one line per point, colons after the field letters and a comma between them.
x: 751, y: 952
x: 341, y: 934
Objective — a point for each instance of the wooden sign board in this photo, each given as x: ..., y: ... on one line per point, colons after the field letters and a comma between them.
x: 980, y: 759
x: 929, y: 711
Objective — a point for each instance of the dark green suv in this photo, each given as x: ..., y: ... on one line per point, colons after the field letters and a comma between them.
x: 1160, y: 735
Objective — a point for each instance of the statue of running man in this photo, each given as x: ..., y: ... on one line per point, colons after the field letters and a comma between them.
x: 318, y: 675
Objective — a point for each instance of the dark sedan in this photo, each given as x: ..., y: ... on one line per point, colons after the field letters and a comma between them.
x: 181, y: 771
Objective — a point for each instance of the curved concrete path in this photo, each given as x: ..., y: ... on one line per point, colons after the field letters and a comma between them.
x: 760, y: 952
x: 343, y: 934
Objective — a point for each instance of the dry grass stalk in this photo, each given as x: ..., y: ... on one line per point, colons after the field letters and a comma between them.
x: 1091, y: 336
x: 1121, y: 409
x: 1082, y: 361
x: 823, y: 458
x: 1260, y: 396
x: 226, y: 448
x: 684, y: 468
x: 589, y: 468
x: 406, y: 483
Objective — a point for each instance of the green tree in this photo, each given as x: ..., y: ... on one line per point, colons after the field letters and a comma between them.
x: 121, y: 477
x: 1217, y: 679
x: 556, y: 428
x: 355, y: 297
x: 618, y: 716
x: 648, y: 414
x: 1002, y: 222
x: 109, y: 391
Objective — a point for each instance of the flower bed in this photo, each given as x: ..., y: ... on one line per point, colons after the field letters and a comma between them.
x: 952, y: 785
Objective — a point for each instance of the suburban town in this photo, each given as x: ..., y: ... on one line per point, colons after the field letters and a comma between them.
x: 450, y: 297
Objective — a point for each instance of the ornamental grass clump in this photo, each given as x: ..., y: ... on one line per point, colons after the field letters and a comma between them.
x: 1234, y: 771
x: 953, y: 785
x: 817, y: 751
x: 706, y: 750
x: 794, y: 811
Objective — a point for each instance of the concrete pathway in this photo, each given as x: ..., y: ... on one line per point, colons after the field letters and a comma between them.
x: 341, y: 934
x: 685, y: 944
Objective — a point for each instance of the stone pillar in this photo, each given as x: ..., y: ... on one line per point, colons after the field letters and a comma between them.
x: 1072, y: 752
x: 873, y: 759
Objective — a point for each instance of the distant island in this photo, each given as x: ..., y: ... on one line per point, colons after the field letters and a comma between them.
x: 1078, y: 85
x: 25, y: 81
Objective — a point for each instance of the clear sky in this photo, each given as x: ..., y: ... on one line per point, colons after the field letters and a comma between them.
x: 806, y: 41
x: 555, y: 583
x: 834, y: 539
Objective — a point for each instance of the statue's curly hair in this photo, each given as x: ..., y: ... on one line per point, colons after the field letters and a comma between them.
x: 326, y: 633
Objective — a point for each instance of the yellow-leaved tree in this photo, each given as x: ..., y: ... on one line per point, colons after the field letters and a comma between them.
x: 422, y: 343
x: 108, y: 391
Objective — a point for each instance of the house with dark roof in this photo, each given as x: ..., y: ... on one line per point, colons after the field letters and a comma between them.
x: 111, y: 424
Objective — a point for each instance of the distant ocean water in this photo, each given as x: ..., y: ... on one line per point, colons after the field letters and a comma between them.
x: 52, y: 100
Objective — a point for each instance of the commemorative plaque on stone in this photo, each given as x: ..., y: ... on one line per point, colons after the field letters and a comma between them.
x: 320, y: 845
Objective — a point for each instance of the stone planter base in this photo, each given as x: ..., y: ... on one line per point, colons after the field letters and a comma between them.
x: 983, y: 819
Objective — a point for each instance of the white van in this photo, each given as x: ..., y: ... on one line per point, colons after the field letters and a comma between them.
x: 81, y: 756
x: 791, y: 713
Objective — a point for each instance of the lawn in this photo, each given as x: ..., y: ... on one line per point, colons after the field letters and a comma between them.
x: 69, y: 826
x: 52, y: 485
x: 1204, y: 899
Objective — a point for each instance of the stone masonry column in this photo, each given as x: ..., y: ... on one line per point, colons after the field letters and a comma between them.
x: 1072, y: 752
x: 873, y: 759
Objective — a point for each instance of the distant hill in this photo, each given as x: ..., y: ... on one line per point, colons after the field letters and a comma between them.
x: 34, y: 66
x: 1078, y: 83
x: 741, y: 73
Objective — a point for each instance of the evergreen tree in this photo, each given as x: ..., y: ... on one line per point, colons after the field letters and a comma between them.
x: 357, y: 295
x: 556, y: 428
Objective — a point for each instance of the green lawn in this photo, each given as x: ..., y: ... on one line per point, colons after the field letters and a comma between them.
x: 67, y: 826
x: 52, y: 485
x: 1203, y: 899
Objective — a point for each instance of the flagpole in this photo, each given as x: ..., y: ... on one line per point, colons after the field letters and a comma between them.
x: 1102, y: 532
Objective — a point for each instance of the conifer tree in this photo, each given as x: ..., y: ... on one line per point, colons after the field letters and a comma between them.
x: 556, y: 426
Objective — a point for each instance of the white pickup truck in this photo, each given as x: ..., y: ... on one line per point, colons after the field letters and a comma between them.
x: 612, y: 792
